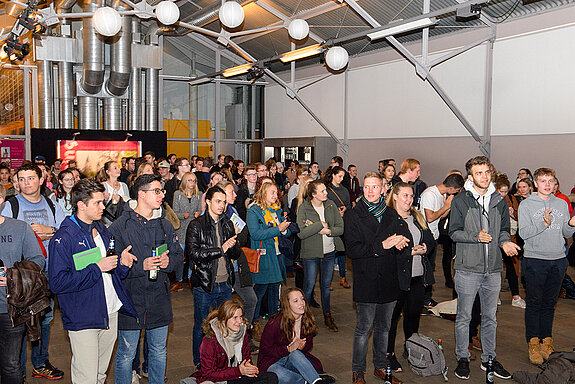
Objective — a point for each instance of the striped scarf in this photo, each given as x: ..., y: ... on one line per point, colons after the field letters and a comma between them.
x: 376, y: 209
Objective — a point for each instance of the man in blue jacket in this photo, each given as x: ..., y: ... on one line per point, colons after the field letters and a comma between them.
x: 144, y: 227
x: 90, y: 296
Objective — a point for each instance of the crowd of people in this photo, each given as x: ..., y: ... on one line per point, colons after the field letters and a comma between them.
x: 115, y: 247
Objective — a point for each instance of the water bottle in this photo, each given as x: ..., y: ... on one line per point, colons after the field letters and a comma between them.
x: 153, y: 274
x: 490, y: 371
x: 388, y: 378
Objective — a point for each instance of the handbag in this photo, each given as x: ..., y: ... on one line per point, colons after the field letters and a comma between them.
x: 253, y: 256
x: 171, y: 216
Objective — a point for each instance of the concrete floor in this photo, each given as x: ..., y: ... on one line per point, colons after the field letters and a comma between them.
x: 335, y: 349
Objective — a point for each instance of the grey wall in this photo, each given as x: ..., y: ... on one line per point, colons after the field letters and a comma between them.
x: 440, y: 155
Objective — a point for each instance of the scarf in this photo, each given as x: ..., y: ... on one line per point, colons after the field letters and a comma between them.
x: 272, y: 220
x: 232, y: 343
x: 376, y: 209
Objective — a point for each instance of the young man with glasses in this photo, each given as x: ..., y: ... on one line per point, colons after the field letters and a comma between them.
x: 182, y: 165
x: 143, y: 226
x: 246, y: 190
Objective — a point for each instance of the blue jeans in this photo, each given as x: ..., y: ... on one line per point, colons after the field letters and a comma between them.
x: 294, y: 368
x: 273, y: 291
x: 340, y: 259
x: 377, y: 317
x: 325, y: 266
x: 127, y: 345
x: 145, y: 352
x: 39, y: 353
x: 202, y: 303
x: 543, y: 280
x: 10, y: 344
x: 467, y: 285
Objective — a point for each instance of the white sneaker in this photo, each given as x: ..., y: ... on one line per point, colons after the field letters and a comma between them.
x: 498, y: 301
x: 519, y: 303
x: 135, y: 378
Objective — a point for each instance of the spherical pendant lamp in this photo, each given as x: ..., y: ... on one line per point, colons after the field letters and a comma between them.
x: 298, y: 29
x: 167, y: 12
x: 336, y: 58
x: 107, y: 21
x: 231, y: 14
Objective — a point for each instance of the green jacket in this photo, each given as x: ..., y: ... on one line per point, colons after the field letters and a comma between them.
x: 311, y: 241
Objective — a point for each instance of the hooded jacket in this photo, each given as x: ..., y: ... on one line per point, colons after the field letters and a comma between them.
x: 81, y: 293
x: 151, y: 298
x: 541, y: 241
x: 469, y: 214
x: 203, y: 250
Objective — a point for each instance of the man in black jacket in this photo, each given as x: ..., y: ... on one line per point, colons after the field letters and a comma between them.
x: 375, y: 284
x: 144, y: 227
x: 210, y: 246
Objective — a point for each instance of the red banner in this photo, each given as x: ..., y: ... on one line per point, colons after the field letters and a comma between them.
x: 91, y: 155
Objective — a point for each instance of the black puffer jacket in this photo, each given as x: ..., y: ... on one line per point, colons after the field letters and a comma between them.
x: 203, y: 250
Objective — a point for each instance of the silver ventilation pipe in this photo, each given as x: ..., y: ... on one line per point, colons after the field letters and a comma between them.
x: 121, y: 58
x: 45, y: 94
x: 135, y: 107
x: 88, y: 112
x: 66, y: 80
x: 93, y: 72
x: 113, y: 114
x: 152, y: 98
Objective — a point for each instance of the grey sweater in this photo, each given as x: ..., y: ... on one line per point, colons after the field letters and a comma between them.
x: 542, y: 242
x: 18, y: 242
x: 182, y: 205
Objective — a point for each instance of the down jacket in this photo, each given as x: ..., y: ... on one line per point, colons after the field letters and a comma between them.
x: 203, y: 250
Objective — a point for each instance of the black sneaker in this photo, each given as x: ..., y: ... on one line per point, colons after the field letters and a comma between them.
x: 48, y: 371
x: 430, y: 304
x: 393, y: 363
x: 499, y: 371
x: 326, y: 379
x: 462, y: 370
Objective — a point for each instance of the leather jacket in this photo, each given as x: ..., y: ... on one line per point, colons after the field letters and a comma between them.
x: 28, y: 296
x: 203, y: 250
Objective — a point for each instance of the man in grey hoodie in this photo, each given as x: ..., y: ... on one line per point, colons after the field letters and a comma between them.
x: 544, y: 224
x: 479, y: 225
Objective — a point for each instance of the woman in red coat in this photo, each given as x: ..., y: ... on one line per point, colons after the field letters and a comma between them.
x: 287, y: 341
x: 225, y: 351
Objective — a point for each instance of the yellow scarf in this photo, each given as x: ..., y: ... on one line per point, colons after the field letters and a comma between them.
x: 271, y: 217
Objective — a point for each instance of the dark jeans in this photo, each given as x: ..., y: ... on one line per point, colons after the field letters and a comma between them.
x: 543, y: 280
x: 428, y: 290
x: 202, y: 303
x: 411, y: 303
x: 262, y: 378
x: 10, y: 345
x: 273, y: 291
x: 376, y: 317
x: 310, y: 268
x: 340, y: 259
x: 511, y: 275
x: 448, y: 254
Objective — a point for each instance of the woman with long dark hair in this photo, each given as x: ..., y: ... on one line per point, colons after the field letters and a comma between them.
x: 287, y: 341
x: 63, y: 190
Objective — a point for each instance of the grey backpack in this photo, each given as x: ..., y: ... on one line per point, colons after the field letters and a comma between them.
x: 424, y: 356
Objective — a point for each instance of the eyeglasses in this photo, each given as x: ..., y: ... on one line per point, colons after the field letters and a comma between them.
x: 156, y: 191
x: 68, y: 179
x: 251, y: 174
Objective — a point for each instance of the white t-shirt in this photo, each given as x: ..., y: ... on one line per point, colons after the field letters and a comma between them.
x: 112, y: 300
x: 433, y: 200
x: 122, y: 190
x: 328, y: 243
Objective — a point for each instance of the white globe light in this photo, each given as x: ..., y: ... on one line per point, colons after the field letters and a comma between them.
x: 231, y: 14
x: 336, y: 58
x: 298, y: 29
x: 167, y: 12
x: 107, y: 21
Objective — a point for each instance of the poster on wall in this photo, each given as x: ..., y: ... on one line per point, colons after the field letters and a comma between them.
x: 90, y: 155
x: 12, y: 153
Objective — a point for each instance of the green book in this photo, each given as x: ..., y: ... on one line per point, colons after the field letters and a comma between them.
x: 161, y: 249
x: 83, y: 259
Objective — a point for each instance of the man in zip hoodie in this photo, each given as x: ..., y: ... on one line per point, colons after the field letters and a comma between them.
x: 544, y: 223
x: 97, y: 286
x: 479, y: 225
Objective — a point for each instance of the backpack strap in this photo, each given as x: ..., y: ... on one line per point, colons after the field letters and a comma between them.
x: 14, y: 205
